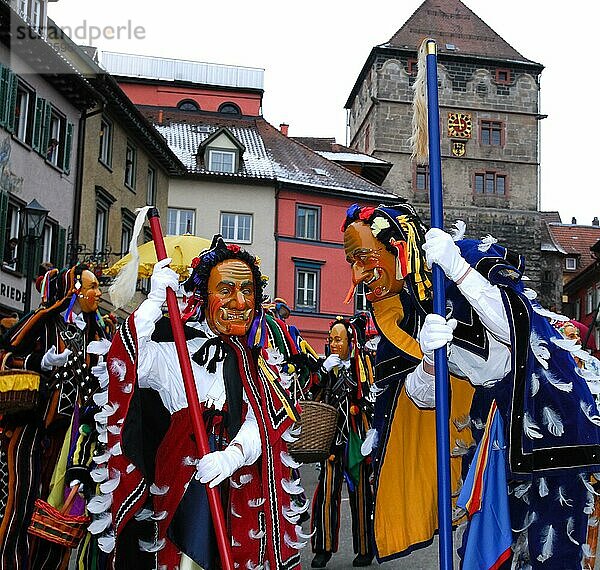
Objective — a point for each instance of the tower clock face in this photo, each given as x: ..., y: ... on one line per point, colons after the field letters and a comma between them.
x: 460, y: 125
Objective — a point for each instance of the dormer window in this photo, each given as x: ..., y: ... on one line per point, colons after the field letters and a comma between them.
x: 221, y: 161
x: 221, y: 152
x: 571, y: 263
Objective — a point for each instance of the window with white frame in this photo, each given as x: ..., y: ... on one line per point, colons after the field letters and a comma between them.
x: 11, y: 236
x: 570, y: 263
x: 56, y: 138
x: 221, y: 160
x: 307, y: 222
x: 127, y: 223
x: 151, y: 186
x: 47, y: 243
x: 180, y: 221
x: 578, y: 309
x: 307, y: 287
x: 130, y: 166
x: 589, y: 301
x: 103, y: 203
x: 105, y: 149
x: 236, y: 227
x: 24, y: 111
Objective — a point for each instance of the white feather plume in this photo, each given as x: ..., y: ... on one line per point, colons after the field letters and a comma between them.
x: 152, y: 546
x: 102, y: 458
x: 531, y: 429
x: 588, y: 412
x: 100, y: 523
x: 568, y: 344
x: 256, y: 534
x: 112, y: 483
x: 106, y: 543
x: 522, y: 490
x: 458, y: 230
x: 301, y: 534
x: 118, y: 368
x: 570, y: 529
x: 297, y: 544
x: 535, y: 384
x: 461, y: 448
x: 234, y: 513
x: 547, y: 541
x: 530, y: 293
x: 462, y: 422
x: 100, y: 398
x: 530, y: 518
x: 159, y: 516
x: 288, y: 461
x: 557, y: 382
x: 542, y: 487
x: 562, y: 499
x: 539, y: 348
x: 130, y: 468
x: 99, y: 503
x: 255, y: 503
x: 143, y: 515
x: 156, y: 490
x: 370, y: 442
x: 551, y: 315
x: 552, y: 421
x: 122, y: 289
x: 587, y: 550
x: 290, y: 516
x: 292, y: 487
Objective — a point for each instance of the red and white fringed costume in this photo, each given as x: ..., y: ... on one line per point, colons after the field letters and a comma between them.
x: 261, y: 515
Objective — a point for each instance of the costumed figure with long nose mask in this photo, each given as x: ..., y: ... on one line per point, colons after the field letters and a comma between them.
x: 526, y: 484
x: 345, y: 380
x: 46, y: 450
x: 156, y: 511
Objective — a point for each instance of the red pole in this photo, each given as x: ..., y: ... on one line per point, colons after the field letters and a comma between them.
x: 194, y: 406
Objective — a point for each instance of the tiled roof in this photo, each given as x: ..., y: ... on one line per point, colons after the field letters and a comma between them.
x: 576, y: 240
x: 269, y: 154
x: 451, y: 23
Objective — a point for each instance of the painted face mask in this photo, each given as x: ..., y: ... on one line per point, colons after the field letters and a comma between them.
x: 372, y: 264
x: 89, y: 294
x: 231, y: 298
x: 338, y: 341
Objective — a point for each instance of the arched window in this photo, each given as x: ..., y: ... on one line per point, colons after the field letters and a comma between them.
x: 188, y: 105
x: 229, y: 109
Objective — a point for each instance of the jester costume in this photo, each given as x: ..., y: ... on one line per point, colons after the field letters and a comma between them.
x: 44, y: 449
x: 345, y: 387
x: 151, y: 511
x: 533, y: 393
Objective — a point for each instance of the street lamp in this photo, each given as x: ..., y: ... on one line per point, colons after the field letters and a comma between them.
x: 33, y: 227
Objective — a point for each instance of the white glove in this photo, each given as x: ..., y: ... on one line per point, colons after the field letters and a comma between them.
x: 162, y: 277
x: 439, y: 247
x: 215, y: 467
x: 331, y: 362
x: 52, y: 358
x: 435, y: 333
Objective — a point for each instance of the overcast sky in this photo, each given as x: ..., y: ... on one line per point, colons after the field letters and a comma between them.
x: 312, y: 52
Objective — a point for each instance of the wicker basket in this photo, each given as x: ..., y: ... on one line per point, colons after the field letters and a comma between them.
x: 318, y: 422
x: 58, y: 526
x: 19, y: 390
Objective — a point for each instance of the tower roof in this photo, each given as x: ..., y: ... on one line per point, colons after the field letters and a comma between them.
x: 456, y: 29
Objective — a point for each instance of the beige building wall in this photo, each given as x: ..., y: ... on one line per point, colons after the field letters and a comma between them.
x: 209, y: 199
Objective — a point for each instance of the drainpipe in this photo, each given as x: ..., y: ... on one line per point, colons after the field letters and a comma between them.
x: 78, y: 189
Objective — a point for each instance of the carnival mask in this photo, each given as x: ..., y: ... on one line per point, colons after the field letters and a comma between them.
x: 231, y: 298
x: 89, y: 294
x: 338, y: 341
x: 372, y: 264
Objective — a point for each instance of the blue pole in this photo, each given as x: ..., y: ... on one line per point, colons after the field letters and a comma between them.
x: 442, y: 404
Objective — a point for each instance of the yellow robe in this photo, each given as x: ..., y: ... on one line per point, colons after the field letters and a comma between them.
x: 406, y: 503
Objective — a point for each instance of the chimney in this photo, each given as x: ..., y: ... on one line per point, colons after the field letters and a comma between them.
x: 160, y: 117
x: 595, y: 221
x: 574, y: 220
x: 283, y: 127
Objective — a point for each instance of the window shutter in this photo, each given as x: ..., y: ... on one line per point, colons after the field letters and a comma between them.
x: 4, y: 94
x: 38, y: 124
x: 67, y: 149
x: 3, y: 214
x: 23, y: 260
x: 61, y: 244
x: 11, y: 102
x: 45, y: 139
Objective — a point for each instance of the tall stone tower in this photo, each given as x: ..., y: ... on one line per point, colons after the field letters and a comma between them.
x: 489, y: 114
